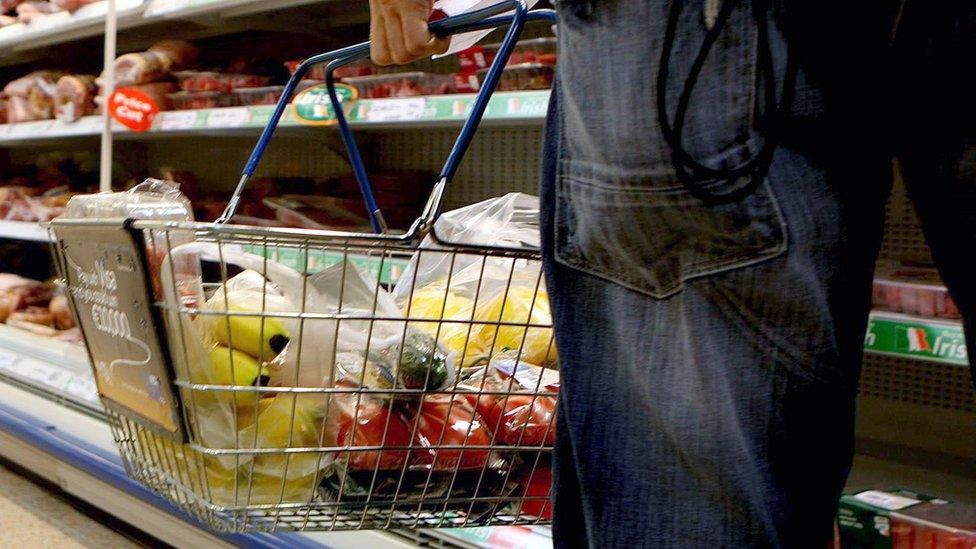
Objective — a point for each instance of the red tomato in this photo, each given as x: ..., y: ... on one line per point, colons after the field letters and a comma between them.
x: 445, y: 422
x: 537, y: 484
x: 523, y: 419
x: 372, y: 420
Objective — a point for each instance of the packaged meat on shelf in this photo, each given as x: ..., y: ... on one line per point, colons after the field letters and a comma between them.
x: 401, y: 84
x: 912, y: 290
x: 904, y: 519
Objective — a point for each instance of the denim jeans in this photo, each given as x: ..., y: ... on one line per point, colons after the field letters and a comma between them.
x: 710, y: 354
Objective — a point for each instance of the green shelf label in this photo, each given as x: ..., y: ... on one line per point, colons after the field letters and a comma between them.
x: 917, y: 338
x: 313, y: 106
x: 389, y: 268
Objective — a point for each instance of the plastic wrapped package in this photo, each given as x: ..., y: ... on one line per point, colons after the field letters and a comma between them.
x: 442, y: 287
x: 525, y: 76
x: 912, y: 290
x: 357, y: 68
x: 200, y: 81
x: 265, y: 95
x: 401, y: 84
x: 934, y: 525
x: 74, y: 97
x: 156, y: 200
x: 534, y: 50
x: 157, y: 62
x: 319, y: 212
x: 187, y: 100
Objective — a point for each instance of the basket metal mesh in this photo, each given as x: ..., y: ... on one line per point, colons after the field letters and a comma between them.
x: 438, y: 414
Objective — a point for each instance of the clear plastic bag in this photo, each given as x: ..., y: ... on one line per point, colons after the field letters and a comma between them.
x: 474, y: 303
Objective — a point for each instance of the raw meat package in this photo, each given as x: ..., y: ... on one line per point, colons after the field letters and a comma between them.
x: 186, y: 100
x: 319, y: 212
x: 265, y: 95
x: 201, y: 81
x: 356, y: 68
x: 931, y: 525
x: 155, y: 63
x: 72, y: 5
x: 402, y: 84
x: 527, y: 76
x: 535, y: 50
x: 912, y: 290
x: 31, y: 97
x: 74, y: 97
x: 401, y: 194
x: 32, y: 10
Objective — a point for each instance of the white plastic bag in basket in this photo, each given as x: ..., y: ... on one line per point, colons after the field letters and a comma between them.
x: 511, y: 221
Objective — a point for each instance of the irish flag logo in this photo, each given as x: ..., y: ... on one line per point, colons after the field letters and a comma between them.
x: 914, y: 340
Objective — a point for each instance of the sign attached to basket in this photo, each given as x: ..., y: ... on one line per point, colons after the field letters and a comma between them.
x: 108, y: 285
x: 133, y: 109
x: 313, y: 107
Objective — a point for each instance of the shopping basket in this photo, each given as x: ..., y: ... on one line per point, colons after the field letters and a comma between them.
x: 295, y: 379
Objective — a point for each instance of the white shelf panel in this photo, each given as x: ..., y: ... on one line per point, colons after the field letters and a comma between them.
x: 64, y: 27
x: 24, y: 230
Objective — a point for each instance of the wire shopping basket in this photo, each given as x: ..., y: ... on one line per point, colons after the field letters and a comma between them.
x: 294, y: 379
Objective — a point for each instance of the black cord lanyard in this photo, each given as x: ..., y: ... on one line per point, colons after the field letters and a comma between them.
x: 694, y: 175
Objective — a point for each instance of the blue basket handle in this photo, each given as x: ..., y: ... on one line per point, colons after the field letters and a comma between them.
x: 486, y: 18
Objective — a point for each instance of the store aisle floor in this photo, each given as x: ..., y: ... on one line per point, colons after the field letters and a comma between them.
x: 31, y: 515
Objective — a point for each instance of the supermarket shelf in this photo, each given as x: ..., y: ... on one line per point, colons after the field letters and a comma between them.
x: 24, y: 230
x: 56, y: 367
x: 77, y: 453
x: 444, y: 110
x: 60, y: 28
x: 917, y: 338
x: 89, y: 21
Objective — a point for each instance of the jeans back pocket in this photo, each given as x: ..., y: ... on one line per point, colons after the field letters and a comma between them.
x: 624, y: 226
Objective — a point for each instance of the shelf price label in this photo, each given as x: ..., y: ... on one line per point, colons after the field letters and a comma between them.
x: 394, y: 110
x: 177, y: 120
x: 133, y: 109
x: 234, y: 117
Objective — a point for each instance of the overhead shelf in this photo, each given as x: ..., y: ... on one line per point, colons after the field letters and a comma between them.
x: 64, y: 27
x: 89, y: 21
x: 437, y: 110
x: 918, y: 338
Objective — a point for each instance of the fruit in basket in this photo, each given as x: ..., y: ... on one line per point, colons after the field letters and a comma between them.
x: 446, y: 421
x: 372, y: 423
x: 519, y: 305
x: 286, y: 421
x: 262, y: 338
x: 452, y: 312
x: 235, y: 368
x: 527, y: 420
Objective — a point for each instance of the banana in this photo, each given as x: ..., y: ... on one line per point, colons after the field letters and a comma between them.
x: 232, y: 367
x: 244, y: 333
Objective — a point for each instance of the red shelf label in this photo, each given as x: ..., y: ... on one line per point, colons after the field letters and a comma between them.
x: 133, y: 109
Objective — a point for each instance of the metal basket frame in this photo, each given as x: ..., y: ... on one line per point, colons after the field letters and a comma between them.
x: 184, y: 473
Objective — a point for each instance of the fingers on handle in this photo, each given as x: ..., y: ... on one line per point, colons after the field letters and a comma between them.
x: 379, y: 46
